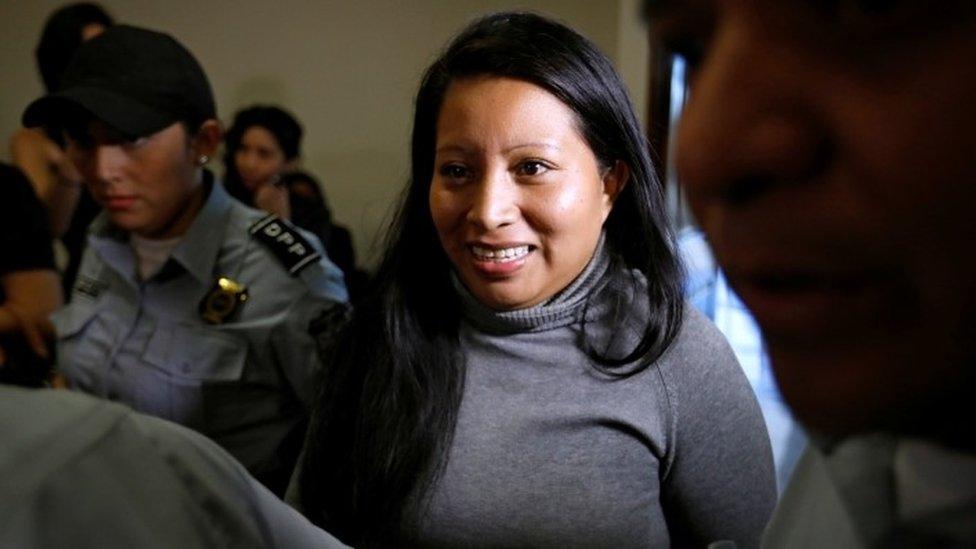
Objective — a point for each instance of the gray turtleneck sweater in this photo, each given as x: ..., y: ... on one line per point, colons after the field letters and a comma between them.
x: 548, y: 452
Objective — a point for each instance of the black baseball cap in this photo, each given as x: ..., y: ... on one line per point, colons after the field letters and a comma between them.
x: 135, y: 80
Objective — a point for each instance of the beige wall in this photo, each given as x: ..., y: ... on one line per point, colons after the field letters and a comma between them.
x: 348, y: 70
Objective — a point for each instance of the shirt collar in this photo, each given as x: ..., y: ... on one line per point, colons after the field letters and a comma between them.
x: 198, y: 249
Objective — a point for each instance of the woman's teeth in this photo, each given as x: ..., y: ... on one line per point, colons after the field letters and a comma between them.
x: 501, y: 254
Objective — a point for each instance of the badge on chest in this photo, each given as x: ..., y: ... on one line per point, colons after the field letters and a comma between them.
x: 223, y: 302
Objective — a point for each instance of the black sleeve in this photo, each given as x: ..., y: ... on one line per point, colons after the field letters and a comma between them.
x: 25, y: 241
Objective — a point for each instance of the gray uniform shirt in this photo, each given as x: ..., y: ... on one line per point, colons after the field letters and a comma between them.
x: 85, y: 473
x: 549, y: 453
x: 245, y: 382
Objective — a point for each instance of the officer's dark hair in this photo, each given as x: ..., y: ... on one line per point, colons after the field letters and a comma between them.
x: 386, y: 409
x: 62, y: 36
x: 286, y: 130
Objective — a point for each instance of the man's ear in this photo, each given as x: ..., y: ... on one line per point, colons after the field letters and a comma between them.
x: 207, y: 139
x: 615, y: 178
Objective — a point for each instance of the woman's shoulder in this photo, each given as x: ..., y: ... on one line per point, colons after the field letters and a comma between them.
x: 699, y: 336
x: 697, y: 345
x: 698, y: 349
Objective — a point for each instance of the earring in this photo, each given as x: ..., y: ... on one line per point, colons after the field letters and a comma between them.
x: 203, y: 159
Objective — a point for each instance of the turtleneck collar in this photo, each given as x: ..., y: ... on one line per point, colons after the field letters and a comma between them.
x: 560, y: 310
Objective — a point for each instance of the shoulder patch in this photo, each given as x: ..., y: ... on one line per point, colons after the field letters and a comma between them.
x: 290, y: 247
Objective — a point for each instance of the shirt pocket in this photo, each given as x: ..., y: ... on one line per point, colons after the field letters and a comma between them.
x: 194, y: 355
x: 86, y: 335
x: 185, y: 363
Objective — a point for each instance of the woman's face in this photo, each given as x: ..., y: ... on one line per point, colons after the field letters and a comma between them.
x: 829, y: 154
x: 517, y: 196
x: 149, y: 186
x: 259, y: 159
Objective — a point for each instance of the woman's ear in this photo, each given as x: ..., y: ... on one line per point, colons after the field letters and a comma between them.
x: 614, y: 180
x: 207, y: 139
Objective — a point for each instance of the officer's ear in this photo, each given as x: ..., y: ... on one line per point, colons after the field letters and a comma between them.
x: 206, y: 139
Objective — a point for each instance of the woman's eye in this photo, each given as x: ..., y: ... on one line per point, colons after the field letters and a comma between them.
x: 532, y: 167
x: 453, y: 171
x: 135, y: 143
x: 81, y: 143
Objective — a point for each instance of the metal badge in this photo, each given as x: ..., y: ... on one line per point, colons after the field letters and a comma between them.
x: 223, y: 301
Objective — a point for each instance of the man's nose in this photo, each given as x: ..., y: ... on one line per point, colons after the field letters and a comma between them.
x: 747, y: 126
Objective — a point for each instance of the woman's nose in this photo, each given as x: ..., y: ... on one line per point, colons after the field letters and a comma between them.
x: 494, y: 201
x: 108, y: 161
x: 245, y: 161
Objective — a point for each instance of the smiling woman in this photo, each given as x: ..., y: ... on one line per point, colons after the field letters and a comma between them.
x: 524, y: 373
x: 517, y: 196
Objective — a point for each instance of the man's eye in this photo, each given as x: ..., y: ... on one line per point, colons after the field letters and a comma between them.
x: 870, y: 16
x: 532, y: 167
x: 865, y: 7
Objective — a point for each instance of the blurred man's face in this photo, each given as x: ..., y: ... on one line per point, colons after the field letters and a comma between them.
x: 830, y: 155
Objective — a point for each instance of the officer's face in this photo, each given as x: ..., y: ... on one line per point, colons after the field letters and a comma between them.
x: 829, y: 152
x: 149, y: 186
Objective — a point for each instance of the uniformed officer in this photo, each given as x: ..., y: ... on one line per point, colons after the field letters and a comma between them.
x: 188, y: 305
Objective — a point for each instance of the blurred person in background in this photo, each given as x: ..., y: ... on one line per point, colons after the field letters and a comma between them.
x: 262, y: 145
x: 29, y: 286
x: 310, y: 211
x: 69, y: 207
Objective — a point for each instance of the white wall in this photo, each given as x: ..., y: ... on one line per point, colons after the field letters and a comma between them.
x: 348, y: 70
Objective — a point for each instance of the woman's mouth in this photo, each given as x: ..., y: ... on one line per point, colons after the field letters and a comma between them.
x: 500, y: 255
x: 498, y: 261
x: 119, y: 202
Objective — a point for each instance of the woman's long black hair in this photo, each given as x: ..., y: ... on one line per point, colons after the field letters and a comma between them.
x: 286, y: 130
x: 394, y: 376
